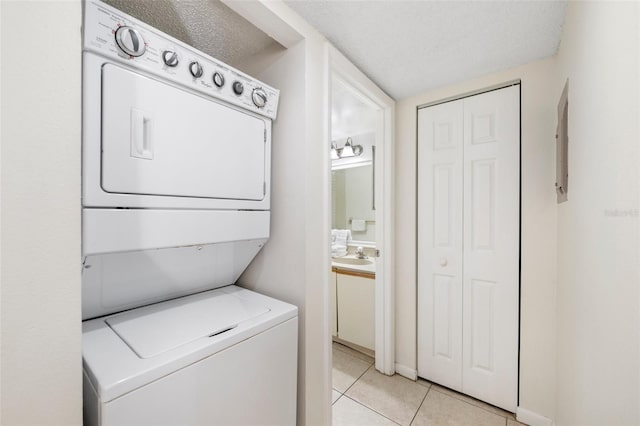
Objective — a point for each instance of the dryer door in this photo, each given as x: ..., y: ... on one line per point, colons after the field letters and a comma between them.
x: 158, y: 139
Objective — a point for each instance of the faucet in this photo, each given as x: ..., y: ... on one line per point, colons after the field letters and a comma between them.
x: 360, y: 253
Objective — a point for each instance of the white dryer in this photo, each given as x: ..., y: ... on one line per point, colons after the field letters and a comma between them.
x: 176, y: 198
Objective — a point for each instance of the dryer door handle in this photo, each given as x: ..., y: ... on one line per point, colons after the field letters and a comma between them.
x: 141, y: 142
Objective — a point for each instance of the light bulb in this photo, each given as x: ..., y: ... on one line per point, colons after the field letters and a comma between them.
x: 347, y: 151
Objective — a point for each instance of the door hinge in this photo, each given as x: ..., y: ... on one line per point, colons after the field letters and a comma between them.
x: 265, y: 135
x: 264, y: 188
x: 377, y: 253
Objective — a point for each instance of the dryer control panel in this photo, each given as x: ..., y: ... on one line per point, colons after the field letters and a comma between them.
x: 125, y: 39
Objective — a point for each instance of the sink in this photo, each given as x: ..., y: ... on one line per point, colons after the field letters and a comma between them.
x: 351, y: 261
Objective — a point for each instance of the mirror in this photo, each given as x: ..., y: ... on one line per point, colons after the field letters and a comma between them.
x: 352, y: 201
x: 353, y: 122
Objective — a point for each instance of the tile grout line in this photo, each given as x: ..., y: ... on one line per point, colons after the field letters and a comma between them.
x: 356, y: 380
x: 473, y: 405
x: 338, y: 398
x: 360, y: 403
x: 420, y: 406
x: 371, y: 409
x: 429, y: 388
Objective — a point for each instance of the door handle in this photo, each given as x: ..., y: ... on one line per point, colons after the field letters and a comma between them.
x: 141, y: 143
x: 444, y: 262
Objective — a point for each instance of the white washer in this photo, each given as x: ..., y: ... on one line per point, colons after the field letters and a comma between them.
x: 165, y: 364
x: 176, y: 198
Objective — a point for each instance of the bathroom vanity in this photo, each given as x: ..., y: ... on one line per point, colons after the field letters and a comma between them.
x: 353, y: 301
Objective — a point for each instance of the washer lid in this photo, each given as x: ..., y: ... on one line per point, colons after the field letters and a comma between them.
x: 155, y: 329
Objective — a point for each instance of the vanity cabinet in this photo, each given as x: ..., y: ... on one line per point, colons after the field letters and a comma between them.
x: 355, y: 294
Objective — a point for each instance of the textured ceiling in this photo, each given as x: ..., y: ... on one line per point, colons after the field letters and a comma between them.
x: 207, y: 25
x: 408, y: 47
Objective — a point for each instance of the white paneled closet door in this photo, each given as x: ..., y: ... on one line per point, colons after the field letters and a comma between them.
x: 440, y: 243
x: 489, y: 250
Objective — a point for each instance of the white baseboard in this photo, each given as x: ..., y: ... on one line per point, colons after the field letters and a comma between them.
x: 532, y: 419
x: 407, y: 372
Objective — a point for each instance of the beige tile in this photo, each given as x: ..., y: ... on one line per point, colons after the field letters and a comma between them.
x: 348, y: 350
x: 346, y: 370
x: 511, y: 422
x: 395, y: 397
x: 347, y: 412
x: 440, y: 409
x: 473, y: 401
x: 424, y: 382
x: 335, y: 395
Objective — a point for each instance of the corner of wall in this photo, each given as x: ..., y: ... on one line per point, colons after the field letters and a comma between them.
x: 40, y: 231
x: 598, y: 227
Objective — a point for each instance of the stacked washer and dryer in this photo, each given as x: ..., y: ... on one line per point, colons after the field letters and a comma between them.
x: 176, y: 203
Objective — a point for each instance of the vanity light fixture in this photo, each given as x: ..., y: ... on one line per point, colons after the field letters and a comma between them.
x: 348, y: 150
x: 334, y: 151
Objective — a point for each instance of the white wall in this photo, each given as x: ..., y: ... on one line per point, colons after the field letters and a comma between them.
x: 279, y: 269
x: 294, y: 265
x: 538, y: 270
x: 317, y: 176
x: 40, y: 351
x: 598, y: 227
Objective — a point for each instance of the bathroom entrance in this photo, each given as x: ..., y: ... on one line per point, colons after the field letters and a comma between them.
x: 353, y: 217
x: 361, y: 302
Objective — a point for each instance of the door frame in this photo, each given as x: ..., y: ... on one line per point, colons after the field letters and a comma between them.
x: 341, y: 68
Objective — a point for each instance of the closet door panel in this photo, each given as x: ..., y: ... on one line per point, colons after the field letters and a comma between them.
x: 440, y: 142
x: 491, y: 246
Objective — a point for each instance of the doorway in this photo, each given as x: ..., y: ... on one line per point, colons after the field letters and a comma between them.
x: 361, y: 308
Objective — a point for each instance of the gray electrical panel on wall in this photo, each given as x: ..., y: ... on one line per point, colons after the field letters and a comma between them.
x: 562, y: 146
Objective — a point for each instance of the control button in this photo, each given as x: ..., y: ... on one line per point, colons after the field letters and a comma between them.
x: 259, y: 97
x: 238, y: 88
x: 218, y: 79
x: 130, y: 41
x: 196, y: 69
x: 170, y: 58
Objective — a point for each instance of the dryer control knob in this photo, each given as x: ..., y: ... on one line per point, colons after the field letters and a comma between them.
x: 170, y: 58
x: 259, y: 97
x: 218, y: 79
x: 196, y: 69
x: 238, y: 88
x: 130, y: 41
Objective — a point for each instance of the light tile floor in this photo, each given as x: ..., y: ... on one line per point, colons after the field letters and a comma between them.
x: 363, y: 396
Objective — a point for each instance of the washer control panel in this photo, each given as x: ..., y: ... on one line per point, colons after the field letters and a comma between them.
x: 120, y: 37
